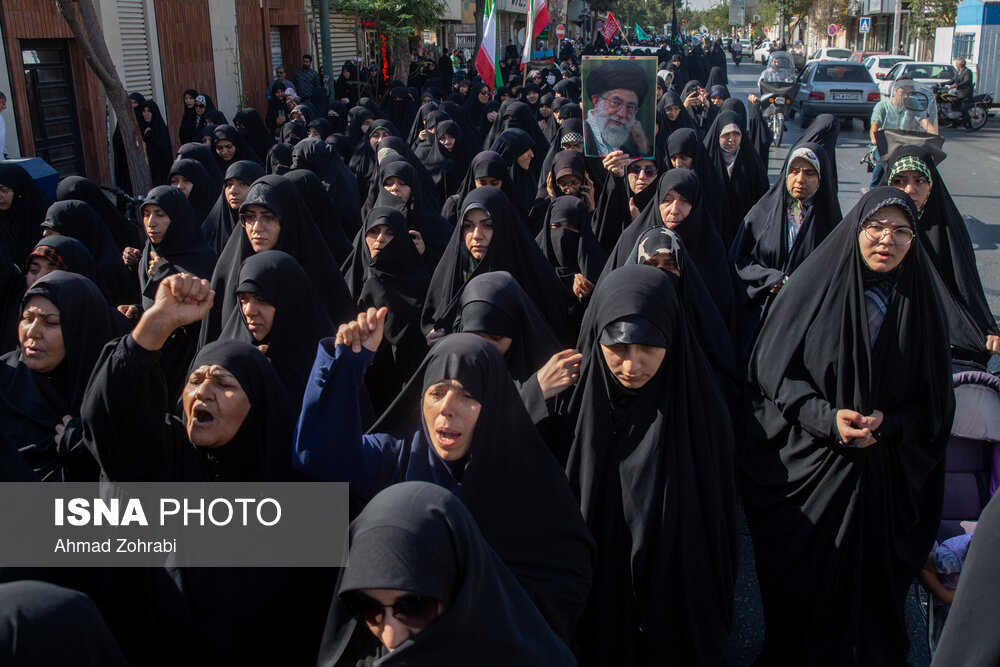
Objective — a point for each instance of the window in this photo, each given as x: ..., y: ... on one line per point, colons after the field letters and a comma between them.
x: 930, y: 71
x: 894, y: 72
x: 962, y: 45
x: 838, y: 53
x: 842, y: 74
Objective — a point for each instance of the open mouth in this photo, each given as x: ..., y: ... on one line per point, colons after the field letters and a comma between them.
x: 202, y: 416
x: 447, y: 437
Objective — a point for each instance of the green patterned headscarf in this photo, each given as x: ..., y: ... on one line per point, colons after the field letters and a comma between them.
x: 910, y: 163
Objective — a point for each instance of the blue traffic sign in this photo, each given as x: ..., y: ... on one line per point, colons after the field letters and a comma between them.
x: 865, y: 24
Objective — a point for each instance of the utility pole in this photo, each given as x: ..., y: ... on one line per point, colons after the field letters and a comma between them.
x: 326, y: 56
x: 897, y: 20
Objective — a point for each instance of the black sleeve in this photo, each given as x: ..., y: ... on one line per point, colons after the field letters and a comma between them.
x: 124, y: 411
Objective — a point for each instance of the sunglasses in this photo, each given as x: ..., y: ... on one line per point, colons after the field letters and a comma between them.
x: 416, y: 611
x: 649, y: 169
x: 199, y: 105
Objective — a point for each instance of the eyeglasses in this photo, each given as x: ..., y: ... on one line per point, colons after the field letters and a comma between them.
x: 4, y: 190
x: 900, y: 235
x: 416, y: 611
x: 649, y: 169
x: 264, y: 220
x: 199, y: 105
x: 616, y: 103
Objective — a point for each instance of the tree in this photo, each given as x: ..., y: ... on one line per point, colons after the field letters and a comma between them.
x: 927, y: 15
x: 396, y: 20
x: 86, y: 28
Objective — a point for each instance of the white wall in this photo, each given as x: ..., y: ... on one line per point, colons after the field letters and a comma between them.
x: 943, y: 38
x: 222, y: 15
x: 13, y: 149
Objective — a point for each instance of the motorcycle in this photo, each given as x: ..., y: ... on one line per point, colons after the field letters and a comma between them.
x: 776, y: 102
x: 949, y: 107
x: 737, y: 57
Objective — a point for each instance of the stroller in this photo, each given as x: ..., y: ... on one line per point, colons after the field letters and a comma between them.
x: 972, y: 471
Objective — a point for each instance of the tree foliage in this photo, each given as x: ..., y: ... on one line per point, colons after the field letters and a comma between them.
x: 927, y: 15
x: 397, y: 19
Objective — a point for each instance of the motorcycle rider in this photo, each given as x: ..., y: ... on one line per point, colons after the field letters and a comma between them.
x: 898, y: 113
x: 736, y: 48
x: 779, y: 70
x: 963, y: 90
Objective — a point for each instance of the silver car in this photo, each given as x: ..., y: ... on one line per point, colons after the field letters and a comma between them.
x: 844, y: 89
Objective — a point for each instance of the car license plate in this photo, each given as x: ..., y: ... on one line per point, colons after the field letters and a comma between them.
x: 847, y: 96
x: 779, y: 100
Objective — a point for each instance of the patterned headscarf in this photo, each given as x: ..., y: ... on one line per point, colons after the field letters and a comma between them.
x: 910, y: 163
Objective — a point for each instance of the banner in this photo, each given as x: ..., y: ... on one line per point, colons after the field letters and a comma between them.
x: 639, y: 33
x: 610, y: 27
x: 486, y: 57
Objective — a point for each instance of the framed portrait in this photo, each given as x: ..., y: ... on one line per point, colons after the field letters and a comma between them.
x: 619, y: 105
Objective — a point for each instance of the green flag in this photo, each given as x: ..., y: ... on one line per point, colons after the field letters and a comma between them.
x: 639, y: 34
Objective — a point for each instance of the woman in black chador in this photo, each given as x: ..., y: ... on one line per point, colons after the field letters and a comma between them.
x: 651, y: 460
x: 849, y: 404
x: 418, y: 547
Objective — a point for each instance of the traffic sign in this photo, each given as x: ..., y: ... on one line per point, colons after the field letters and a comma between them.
x: 832, y: 30
x: 560, y: 31
x: 865, y: 24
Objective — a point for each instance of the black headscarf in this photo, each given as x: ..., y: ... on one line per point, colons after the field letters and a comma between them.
x: 44, y: 624
x: 255, y: 131
x: 823, y: 130
x: 700, y: 239
x: 279, y: 159
x: 485, y: 125
x: 326, y: 216
x: 202, y: 198
x: 446, y: 167
x: 485, y: 164
x: 338, y: 123
x: 702, y: 314
x: 507, y: 476
x: 420, y: 538
x: 748, y: 181
x: 243, y: 150
x: 685, y: 142
x: 419, y: 213
x: 20, y: 225
x: 364, y: 162
x: 495, y: 304
x: 342, y: 145
x: 188, y: 131
x: 511, y: 144
x: 300, y: 320
x: 398, y: 108
x: 666, y: 127
x: 946, y: 241
x: 204, y: 155
x: 703, y: 116
x: 341, y: 188
x: 511, y: 249
x: 761, y: 253
x: 419, y: 120
x: 79, y: 188
x: 159, y: 152
x: 182, y: 245
x: 654, y: 470
x: 322, y: 126
x: 613, y: 213
x: 568, y: 88
x: 356, y: 118
x: 717, y: 77
x: 298, y: 236
x: 32, y: 404
x: 571, y: 252
x: 520, y: 116
x: 428, y: 189
x: 76, y: 219
x: 839, y: 531
x: 293, y: 132
x: 221, y: 220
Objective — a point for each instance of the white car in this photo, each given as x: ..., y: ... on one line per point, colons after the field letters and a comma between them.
x: 927, y: 73
x: 879, y: 66
x: 745, y: 43
x: 828, y: 53
x: 761, y: 53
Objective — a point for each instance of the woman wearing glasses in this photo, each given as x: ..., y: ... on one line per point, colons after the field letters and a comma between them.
x: 273, y: 216
x: 849, y: 407
x: 460, y: 604
x: 630, y: 187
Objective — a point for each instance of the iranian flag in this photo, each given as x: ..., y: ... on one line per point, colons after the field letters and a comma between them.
x: 486, y: 59
x: 538, y: 20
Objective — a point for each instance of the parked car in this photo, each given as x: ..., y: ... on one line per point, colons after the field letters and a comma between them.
x: 761, y: 53
x: 926, y: 73
x: 827, y: 53
x: 841, y: 88
x: 745, y: 43
x: 879, y: 65
x: 860, y: 56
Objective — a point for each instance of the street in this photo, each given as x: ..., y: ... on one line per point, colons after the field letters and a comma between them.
x: 970, y: 174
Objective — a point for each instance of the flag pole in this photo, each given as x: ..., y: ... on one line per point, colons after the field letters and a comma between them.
x: 528, y: 42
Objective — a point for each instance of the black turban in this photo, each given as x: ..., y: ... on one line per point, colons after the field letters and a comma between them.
x: 618, y: 74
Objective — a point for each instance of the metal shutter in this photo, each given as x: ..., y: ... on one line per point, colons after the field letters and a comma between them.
x: 343, y: 43
x: 135, y: 46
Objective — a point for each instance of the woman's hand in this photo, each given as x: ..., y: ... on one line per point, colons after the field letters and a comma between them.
x: 993, y: 344
x: 587, y: 192
x: 434, y: 336
x: 561, y: 371
x: 614, y: 162
x: 581, y: 286
x: 181, y: 299
x: 418, y: 241
x: 752, y: 98
x: 633, y: 210
x: 852, y: 427
x: 550, y: 188
x: 61, y: 427
x: 366, y: 331
x: 155, y: 262
x: 422, y: 135
x: 131, y: 256
x: 130, y: 311
x: 692, y: 100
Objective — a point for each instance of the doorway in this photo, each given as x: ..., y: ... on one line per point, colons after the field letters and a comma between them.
x: 55, y: 125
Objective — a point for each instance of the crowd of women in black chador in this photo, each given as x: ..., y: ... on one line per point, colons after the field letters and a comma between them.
x: 549, y: 379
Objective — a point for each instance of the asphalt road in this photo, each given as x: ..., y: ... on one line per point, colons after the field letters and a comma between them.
x: 970, y: 171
